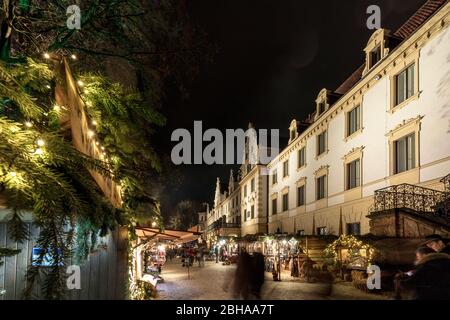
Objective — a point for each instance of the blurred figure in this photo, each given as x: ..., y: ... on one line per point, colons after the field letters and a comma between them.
x: 257, y: 274
x: 241, y: 283
x: 216, y: 251
x: 436, y: 242
x: 431, y: 278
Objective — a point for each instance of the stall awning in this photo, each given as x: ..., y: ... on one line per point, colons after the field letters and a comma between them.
x: 176, y: 236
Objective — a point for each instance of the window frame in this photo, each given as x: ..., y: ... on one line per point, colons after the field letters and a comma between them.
x: 303, y: 202
x: 274, y: 176
x: 357, y: 174
x: 286, y: 168
x: 349, y: 124
x: 301, y: 164
x: 285, y: 202
x: 319, y: 178
x: 274, y: 206
x: 323, y: 134
x: 410, y: 60
x: 409, y: 152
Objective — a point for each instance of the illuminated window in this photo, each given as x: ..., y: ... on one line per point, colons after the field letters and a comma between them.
x: 353, y: 121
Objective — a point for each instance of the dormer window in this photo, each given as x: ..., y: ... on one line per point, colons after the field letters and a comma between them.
x: 293, y: 133
x: 321, y: 108
x: 378, y: 47
x: 375, y: 56
x: 322, y: 103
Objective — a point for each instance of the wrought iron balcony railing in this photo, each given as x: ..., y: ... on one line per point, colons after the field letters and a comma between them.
x: 408, y: 196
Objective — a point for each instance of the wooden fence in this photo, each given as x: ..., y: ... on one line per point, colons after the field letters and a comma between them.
x: 103, y: 275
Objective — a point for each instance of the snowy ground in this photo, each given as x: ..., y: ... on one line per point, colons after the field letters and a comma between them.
x: 210, y: 283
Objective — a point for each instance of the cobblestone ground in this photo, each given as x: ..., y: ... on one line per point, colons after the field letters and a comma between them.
x: 211, y: 281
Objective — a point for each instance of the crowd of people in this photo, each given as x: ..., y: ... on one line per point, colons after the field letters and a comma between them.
x: 430, y: 279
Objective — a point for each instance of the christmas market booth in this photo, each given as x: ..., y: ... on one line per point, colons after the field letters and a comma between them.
x: 227, y: 249
x: 148, y: 256
x: 289, y: 255
x: 349, y: 258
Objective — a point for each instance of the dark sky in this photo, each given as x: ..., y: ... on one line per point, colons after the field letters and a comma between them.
x: 274, y: 57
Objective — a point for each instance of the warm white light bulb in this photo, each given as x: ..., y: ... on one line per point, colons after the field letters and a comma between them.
x: 91, y: 133
x: 80, y: 83
x: 103, y: 148
x: 46, y: 56
x: 74, y: 57
x: 94, y: 122
x: 39, y: 152
x: 40, y: 143
x: 28, y: 124
x: 57, y: 108
x: 13, y: 174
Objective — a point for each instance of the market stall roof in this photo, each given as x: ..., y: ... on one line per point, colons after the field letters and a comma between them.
x: 177, y: 236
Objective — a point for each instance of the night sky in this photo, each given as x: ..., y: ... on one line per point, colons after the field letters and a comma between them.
x: 274, y: 57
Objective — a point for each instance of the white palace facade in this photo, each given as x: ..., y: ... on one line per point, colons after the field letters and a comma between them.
x: 388, y: 124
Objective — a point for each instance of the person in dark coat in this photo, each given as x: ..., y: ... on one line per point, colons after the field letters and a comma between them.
x: 431, y: 278
x: 436, y: 242
x: 242, y: 276
x: 257, y: 275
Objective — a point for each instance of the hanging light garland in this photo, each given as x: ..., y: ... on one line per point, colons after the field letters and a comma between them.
x: 351, y: 243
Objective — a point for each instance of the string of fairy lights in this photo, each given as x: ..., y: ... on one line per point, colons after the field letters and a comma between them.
x: 91, y: 133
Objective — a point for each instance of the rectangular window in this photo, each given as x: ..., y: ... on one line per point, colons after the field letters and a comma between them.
x: 252, y: 185
x: 245, y: 191
x: 353, y: 121
x: 301, y: 232
x: 274, y: 206
x: 353, y: 174
x: 285, y: 202
x: 321, y: 143
x: 252, y: 212
x: 405, y: 154
x: 300, y: 196
x: 285, y: 168
x: 375, y: 56
x: 301, y: 157
x: 274, y: 177
x: 322, y: 231
x: 354, y: 229
x: 320, y: 187
x: 404, y: 83
x: 321, y: 108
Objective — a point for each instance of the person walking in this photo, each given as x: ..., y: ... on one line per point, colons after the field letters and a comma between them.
x: 430, y: 280
x: 242, y: 276
x: 257, y: 274
x: 216, y: 251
